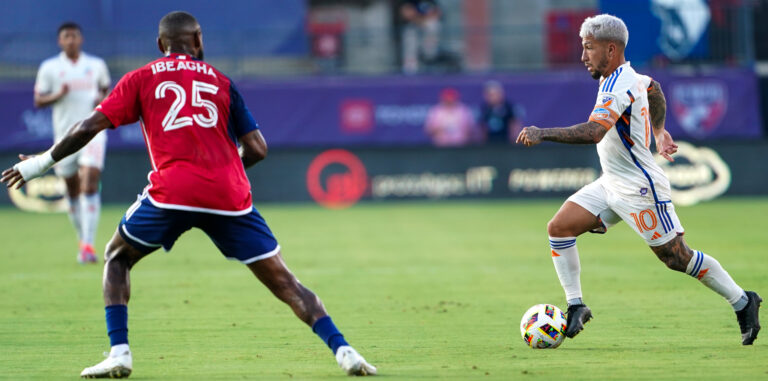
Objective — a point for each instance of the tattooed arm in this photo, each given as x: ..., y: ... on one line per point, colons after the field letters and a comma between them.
x: 583, y: 133
x: 657, y: 105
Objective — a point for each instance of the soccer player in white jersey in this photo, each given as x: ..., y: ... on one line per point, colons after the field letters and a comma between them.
x: 73, y: 83
x: 629, y: 111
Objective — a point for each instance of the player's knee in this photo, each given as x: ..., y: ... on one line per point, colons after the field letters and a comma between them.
x: 90, y: 189
x: 113, y: 257
x: 89, y: 186
x: 555, y: 228
x: 89, y: 180
x: 111, y: 251
x: 120, y: 253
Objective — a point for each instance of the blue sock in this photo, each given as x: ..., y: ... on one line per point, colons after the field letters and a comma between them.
x: 327, y: 331
x: 741, y: 303
x: 117, y: 324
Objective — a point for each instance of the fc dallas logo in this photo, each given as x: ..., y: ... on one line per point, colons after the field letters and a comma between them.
x: 699, y: 106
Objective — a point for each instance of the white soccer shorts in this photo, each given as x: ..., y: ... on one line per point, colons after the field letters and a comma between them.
x: 92, y: 155
x: 657, y: 223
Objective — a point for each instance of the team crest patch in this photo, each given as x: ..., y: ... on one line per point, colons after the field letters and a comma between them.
x: 606, y: 100
x: 699, y: 106
x: 600, y: 113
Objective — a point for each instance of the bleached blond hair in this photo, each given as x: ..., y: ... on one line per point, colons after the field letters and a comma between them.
x: 605, y: 27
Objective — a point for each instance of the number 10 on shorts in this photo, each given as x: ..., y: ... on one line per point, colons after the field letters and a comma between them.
x: 645, y: 221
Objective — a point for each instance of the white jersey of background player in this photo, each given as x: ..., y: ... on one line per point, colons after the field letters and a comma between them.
x: 73, y: 83
x: 629, y: 111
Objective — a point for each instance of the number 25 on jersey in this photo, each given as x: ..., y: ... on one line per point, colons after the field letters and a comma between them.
x: 172, y: 121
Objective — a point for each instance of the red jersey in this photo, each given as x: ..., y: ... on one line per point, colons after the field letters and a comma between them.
x: 191, y: 116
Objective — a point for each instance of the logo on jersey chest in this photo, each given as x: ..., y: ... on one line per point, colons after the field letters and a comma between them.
x: 606, y: 100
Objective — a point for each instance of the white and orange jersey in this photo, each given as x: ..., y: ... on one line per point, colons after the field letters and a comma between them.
x: 84, y: 77
x: 629, y: 168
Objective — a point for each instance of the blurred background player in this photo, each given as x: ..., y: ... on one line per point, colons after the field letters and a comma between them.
x: 181, y: 100
x: 633, y: 187
x: 450, y: 123
x: 498, y: 120
x: 73, y: 83
x: 420, y: 33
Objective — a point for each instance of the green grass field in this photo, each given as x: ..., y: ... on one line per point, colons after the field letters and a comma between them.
x: 422, y: 290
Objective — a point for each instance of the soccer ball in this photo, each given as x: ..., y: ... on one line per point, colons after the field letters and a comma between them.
x: 543, y: 326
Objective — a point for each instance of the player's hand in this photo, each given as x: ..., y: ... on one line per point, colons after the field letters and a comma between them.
x: 64, y: 90
x: 530, y: 136
x: 12, y: 175
x: 665, y: 145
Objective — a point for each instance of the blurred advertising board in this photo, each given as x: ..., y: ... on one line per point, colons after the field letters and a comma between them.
x: 339, y: 177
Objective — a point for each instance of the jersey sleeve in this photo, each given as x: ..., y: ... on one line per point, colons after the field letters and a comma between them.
x: 44, y: 82
x: 240, y: 119
x: 644, y: 86
x: 122, y: 105
x: 612, y: 99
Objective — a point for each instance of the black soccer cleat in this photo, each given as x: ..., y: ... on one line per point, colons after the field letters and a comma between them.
x: 748, y: 318
x: 578, y: 315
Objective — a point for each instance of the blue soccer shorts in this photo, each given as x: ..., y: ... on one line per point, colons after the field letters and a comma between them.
x: 245, y: 238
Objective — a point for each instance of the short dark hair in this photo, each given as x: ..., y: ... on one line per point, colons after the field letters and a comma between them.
x: 69, y: 25
x: 175, y: 22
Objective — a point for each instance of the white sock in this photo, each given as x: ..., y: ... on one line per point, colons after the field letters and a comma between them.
x: 709, y: 271
x: 118, y: 350
x: 90, y: 208
x: 565, y: 256
x: 74, y: 216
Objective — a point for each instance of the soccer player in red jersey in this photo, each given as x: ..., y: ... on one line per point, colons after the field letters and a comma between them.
x: 192, y: 117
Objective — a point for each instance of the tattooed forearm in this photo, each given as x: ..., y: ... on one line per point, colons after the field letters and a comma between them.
x: 582, y: 133
x: 658, y: 105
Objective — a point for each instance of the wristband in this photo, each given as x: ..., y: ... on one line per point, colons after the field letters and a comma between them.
x: 36, y: 166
